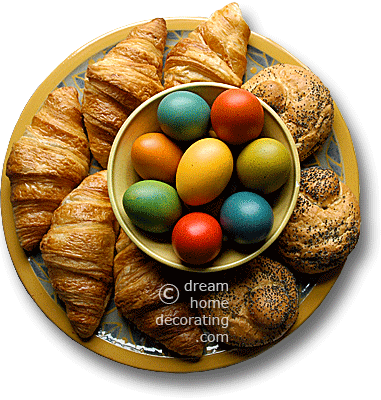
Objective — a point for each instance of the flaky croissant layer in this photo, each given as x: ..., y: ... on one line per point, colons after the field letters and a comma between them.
x: 214, y: 52
x: 78, y: 251
x: 46, y: 163
x: 129, y: 74
x: 138, y: 281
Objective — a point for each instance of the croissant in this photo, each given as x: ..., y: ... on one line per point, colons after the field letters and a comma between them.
x: 129, y: 74
x: 138, y: 282
x: 78, y: 251
x: 214, y: 52
x: 46, y: 163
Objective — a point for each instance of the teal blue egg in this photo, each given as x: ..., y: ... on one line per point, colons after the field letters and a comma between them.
x: 153, y: 206
x: 246, y: 217
x: 183, y: 115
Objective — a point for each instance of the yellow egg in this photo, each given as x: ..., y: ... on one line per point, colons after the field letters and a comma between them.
x: 204, y: 171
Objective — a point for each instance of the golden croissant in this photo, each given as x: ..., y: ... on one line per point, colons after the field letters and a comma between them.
x: 129, y: 74
x: 138, y: 281
x: 46, y: 163
x: 214, y: 52
x: 78, y: 251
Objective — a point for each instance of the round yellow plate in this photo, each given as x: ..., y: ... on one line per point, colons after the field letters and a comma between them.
x: 115, y: 339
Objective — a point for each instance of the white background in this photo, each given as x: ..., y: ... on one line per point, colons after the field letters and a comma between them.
x: 336, y: 351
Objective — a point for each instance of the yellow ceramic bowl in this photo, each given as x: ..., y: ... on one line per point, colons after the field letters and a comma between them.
x: 121, y: 175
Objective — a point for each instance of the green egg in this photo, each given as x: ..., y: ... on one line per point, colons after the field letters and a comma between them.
x: 264, y: 165
x: 152, y: 205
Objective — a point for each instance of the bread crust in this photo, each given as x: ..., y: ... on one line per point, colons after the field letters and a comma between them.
x: 302, y: 101
x: 324, y: 226
x: 262, y: 304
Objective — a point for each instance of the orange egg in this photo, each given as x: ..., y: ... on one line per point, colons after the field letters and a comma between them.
x: 155, y: 156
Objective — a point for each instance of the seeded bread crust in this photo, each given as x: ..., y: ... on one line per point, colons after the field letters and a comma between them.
x: 299, y: 97
x: 262, y: 304
x: 324, y: 226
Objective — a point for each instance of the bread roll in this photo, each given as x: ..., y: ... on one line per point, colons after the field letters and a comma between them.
x: 261, y: 304
x: 302, y: 101
x: 325, y: 225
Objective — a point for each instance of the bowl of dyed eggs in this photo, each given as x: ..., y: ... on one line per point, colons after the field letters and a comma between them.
x: 203, y: 176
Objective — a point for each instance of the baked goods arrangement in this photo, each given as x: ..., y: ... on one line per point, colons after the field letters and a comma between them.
x: 63, y: 211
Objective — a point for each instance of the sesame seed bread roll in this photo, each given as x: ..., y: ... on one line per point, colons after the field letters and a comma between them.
x: 260, y: 306
x: 301, y: 100
x: 324, y: 226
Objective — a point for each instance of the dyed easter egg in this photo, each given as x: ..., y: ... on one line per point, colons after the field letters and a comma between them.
x: 155, y: 156
x: 246, y: 217
x: 197, y: 238
x: 204, y: 171
x: 264, y: 165
x: 183, y: 115
x: 153, y: 206
x: 237, y: 116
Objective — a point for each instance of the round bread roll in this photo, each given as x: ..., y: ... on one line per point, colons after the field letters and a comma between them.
x: 259, y: 307
x: 301, y: 100
x: 324, y: 226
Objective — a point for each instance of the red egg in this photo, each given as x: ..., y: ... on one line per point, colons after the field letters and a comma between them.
x: 237, y: 116
x: 197, y: 238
